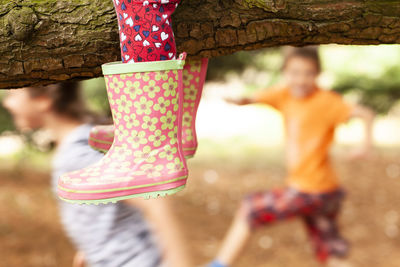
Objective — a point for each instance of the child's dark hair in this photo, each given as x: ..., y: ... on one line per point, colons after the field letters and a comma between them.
x: 307, y: 52
x: 68, y: 101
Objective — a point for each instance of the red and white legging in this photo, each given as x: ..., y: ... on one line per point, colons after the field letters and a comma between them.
x: 145, y: 29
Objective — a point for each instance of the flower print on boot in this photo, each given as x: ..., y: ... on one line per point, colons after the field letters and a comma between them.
x: 194, y: 74
x: 146, y: 158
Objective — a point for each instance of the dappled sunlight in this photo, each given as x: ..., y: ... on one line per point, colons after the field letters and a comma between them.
x: 369, y: 60
x: 10, y: 145
x: 222, y: 122
x: 386, y: 132
x: 241, y: 150
x: 261, y: 125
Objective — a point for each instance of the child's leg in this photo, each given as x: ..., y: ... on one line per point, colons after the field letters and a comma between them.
x: 320, y: 247
x: 236, y: 238
x: 257, y: 210
x: 338, y: 246
x: 323, y: 229
x: 145, y: 29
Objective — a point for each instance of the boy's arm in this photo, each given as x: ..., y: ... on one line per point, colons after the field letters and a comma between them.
x: 272, y: 97
x: 367, y: 115
x: 241, y: 101
x: 161, y: 216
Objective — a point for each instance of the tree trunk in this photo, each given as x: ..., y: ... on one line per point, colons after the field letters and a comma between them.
x: 46, y: 41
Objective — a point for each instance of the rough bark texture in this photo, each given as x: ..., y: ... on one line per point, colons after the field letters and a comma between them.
x: 45, y: 41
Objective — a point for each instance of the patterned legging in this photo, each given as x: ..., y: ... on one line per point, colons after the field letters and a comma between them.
x: 145, y: 29
x: 318, y: 211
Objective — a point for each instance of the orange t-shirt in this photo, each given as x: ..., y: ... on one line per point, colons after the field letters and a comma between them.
x: 310, y: 125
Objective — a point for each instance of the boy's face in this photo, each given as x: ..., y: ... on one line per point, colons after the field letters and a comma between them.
x: 300, y: 75
x: 27, y: 112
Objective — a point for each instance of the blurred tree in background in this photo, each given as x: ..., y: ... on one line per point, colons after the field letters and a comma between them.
x: 95, y: 93
x: 367, y: 74
x: 262, y: 60
x: 380, y: 93
x: 6, y: 123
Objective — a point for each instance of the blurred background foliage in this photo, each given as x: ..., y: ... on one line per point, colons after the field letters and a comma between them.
x: 6, y: 123
x: 366, y: 74
x: 240, y: 151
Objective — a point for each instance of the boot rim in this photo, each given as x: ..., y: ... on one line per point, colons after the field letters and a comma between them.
x: 118, y: 67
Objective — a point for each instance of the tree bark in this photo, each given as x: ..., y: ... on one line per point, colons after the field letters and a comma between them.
x: 47, y: 41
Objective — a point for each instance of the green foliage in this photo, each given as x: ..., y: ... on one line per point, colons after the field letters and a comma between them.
x: 6, y: 123
x: 379, y: 93
x: 267, y: 60
x: 370, y: 73
x: 95, y: 94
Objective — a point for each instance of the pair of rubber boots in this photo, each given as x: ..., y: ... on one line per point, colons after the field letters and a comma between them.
x: 154, y: 106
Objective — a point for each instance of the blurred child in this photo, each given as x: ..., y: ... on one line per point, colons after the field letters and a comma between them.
x: 312, y: 190
x: 112, y: 235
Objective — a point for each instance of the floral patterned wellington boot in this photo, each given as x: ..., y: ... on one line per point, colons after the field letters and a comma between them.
x: 101, y: 137
x: 146, y: 158
x: 194, y: 74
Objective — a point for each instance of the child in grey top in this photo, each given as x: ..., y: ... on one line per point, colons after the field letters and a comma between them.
x: 108, y: 235
x: 114, y: 235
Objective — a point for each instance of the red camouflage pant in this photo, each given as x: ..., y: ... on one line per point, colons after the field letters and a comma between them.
x: 318, y: 211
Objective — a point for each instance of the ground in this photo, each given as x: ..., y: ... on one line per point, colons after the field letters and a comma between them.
x: 31, y: 235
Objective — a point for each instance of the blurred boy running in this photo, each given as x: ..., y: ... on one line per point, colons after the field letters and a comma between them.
x: 312, y: 190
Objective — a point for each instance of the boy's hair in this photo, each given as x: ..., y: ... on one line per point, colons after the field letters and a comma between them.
x: 307, y: 52
x: 67, y: 100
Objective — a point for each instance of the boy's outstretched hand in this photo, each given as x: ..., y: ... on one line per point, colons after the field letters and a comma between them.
x: 240, y: 101
x: 367, y: 115
x: 360, y: 153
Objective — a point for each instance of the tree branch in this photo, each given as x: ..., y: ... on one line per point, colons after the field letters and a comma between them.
x: 46, y: 41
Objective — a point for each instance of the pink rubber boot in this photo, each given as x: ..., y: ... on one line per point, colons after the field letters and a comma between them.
x: 101, y: 137
x: 194, y: 74
x: 146, y: 158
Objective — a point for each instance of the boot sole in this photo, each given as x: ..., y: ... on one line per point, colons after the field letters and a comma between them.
x: 148, y: 195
